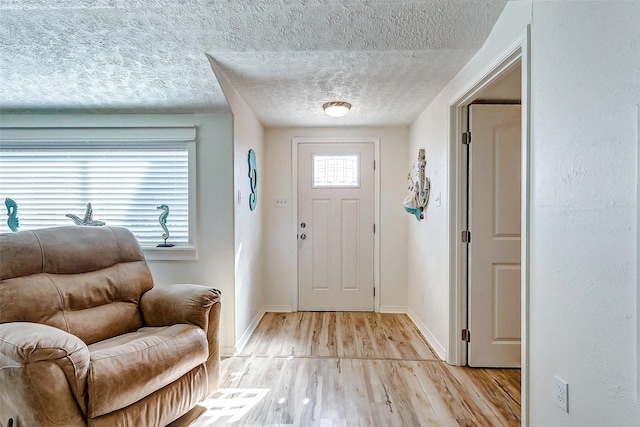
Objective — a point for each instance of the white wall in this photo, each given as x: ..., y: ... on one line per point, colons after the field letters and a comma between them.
x: 248, y: 133
x: 585, y: 77
x: 278, y: 229
x: 429, y: 277
x: 585, y: 96
x: 214, y: 236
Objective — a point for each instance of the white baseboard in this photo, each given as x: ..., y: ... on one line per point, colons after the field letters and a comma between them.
x: 254, y: 324
x: 431, y: 339
x: 247, y: 334
x: 277, y: 309
x: 393, y: 309
x: 226, y: 351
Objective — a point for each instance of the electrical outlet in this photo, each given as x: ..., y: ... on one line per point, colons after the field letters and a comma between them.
x: 561, y: 394
x: 282, y: 203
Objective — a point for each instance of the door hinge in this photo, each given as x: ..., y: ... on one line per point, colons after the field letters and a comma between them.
x: 374, y: 291
x: 466, y: 138
x: 466, y: 335
x: 466, y: 236
x: 374, y: 165
x: 374, y: 229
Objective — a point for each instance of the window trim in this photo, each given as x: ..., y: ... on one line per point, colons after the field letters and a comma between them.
x: 122, y: 135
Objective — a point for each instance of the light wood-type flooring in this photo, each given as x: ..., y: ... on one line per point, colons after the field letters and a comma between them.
x: 354, y: 369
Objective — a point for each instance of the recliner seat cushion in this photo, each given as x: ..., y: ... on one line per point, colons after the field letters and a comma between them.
x: 129, y: 367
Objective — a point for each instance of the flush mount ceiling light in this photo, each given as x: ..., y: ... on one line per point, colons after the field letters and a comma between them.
x: 336, y: 108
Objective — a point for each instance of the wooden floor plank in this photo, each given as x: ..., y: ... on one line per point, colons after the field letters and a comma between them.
x: 354, y: 369
x: 331, y: 334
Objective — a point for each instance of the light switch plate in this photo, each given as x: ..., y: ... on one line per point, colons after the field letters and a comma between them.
x: 438, y: 199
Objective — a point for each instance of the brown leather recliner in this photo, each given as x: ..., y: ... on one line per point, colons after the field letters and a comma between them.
x: 85, y: 338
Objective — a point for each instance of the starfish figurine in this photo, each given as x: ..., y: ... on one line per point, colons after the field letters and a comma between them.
x: 88, y: 218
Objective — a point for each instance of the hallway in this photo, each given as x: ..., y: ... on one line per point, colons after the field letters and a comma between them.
x: 354, y: 369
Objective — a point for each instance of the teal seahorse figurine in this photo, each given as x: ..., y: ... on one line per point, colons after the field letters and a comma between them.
x: 162, y: 219
x: 253, y: 180
x: 12, y: 213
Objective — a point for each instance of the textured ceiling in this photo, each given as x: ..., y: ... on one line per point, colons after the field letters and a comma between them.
x: 388, y: 58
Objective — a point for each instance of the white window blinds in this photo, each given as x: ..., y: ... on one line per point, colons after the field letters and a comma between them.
x: 124, y: 173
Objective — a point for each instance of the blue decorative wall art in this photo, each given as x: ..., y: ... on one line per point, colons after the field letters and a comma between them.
x: 253, y: 180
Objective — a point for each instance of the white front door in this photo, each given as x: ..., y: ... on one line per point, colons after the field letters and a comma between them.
x: 494, y: 223
x: 335, y: 227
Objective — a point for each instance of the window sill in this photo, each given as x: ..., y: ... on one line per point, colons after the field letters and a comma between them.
x: 175, y: 253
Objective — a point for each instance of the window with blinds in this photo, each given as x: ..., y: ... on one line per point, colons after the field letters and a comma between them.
x: 124, y: 177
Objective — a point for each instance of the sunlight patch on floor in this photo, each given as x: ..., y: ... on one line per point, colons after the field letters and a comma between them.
x: 230, y: 402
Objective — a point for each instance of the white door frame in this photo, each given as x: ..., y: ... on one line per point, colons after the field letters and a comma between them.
x: 516, y: 52
x: 294, y: 207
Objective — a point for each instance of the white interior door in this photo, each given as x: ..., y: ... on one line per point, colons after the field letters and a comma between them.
x: 335, y: 227
x: 494, y: 223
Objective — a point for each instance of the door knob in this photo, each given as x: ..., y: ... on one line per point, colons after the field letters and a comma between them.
x: 303, y: 236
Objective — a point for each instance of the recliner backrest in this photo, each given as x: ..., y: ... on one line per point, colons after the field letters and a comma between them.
x: 84, y: 280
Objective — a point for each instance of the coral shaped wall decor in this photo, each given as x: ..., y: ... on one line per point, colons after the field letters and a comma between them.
x: 419, y: 187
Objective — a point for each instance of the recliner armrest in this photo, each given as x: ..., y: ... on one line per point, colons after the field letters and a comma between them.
x: 23, y: 343
x: 194, y: 304
x: 184, y: 303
